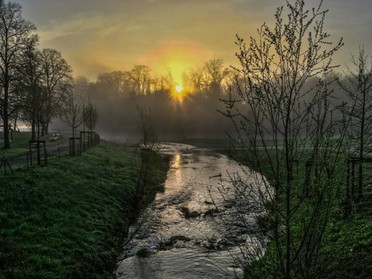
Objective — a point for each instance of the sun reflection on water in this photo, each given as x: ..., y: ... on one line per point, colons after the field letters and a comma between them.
x: 173, y: 184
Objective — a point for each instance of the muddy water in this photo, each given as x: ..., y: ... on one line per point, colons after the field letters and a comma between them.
x: 202, y: 226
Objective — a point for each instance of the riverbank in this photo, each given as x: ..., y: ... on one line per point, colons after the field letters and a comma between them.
x: 346, y: 248
x: 68, y: 219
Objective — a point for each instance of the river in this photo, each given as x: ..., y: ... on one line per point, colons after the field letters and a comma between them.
x: 202, y: 226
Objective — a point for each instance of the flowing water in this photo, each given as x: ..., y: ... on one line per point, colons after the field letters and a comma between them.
x: 202, y: 226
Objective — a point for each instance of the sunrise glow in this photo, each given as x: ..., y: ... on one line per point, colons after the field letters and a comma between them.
x: 175, y: 58
x: 179, y: 88
x: 178, y: 93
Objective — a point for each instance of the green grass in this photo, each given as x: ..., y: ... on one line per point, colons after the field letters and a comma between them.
x: 19, y: 145
x: 346, y: 250
x: 68, y: 219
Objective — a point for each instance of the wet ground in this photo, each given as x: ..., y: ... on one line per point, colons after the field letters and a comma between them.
x: 202, y: 226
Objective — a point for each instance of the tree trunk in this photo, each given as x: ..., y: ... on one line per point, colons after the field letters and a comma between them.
x: 360, y: 181
x: 15, y: 120
x: 47, y: 128
x: 5, y: 115
x: 33, y: 130
x: 6, y: 131
x: 44, y: 128
x: 361, y: 147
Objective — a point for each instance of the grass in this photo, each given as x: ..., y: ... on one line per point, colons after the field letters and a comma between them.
x: 346, y: 250
x: 68, y: 219
x: 19, y: 145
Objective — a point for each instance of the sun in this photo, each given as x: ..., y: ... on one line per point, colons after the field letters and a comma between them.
x: 179, y: 89
x: 172, y: 59
x: 178, y: 93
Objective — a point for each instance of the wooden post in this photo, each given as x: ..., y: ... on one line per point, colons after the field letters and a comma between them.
x: 353, y: 179
x: 45, y: 154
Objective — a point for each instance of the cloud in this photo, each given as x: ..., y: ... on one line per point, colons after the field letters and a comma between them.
x: 95, y: 35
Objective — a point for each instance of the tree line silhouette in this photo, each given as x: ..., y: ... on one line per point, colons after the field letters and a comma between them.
x: 190, y: 112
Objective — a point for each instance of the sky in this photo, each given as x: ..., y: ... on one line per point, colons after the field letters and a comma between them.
x: 98, y: 36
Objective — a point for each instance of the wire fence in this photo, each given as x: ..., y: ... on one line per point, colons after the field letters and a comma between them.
x: 358, y: 182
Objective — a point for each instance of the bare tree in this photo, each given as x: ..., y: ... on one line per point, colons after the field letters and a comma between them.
x: 284, y: 130
x: 56, y: 82
x: 216, y: 73
x: 358, y: 87
x: 30, y: 87
x: 195, y: 79
x: 209, y: 78
x: 90, y: 116
x: 116, y: 84
x: 141, y: 79
x: 72, y: 113
x: 148, y: 131
x: 14, y: 34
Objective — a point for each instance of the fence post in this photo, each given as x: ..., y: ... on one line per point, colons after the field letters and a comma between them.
x: 353, y: 179
x: 27, y: 157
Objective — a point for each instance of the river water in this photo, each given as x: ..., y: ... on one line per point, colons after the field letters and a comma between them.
x: 202, y: 226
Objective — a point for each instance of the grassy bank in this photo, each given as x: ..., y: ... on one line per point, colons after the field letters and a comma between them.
x: 346, y: 249
x: 68, y: 219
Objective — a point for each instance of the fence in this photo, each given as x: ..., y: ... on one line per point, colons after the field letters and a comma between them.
x: 358, y: 181
x: 38, y: 152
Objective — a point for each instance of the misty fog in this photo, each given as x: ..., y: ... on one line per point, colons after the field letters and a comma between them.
x: 193, y: 112
x: 196, y: 114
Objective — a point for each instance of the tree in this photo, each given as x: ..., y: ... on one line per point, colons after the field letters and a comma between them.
x: 90, y: 116
x: 56, y: 82
x: 209, y: 78
x: 284, y: 130
x: 72, y: 113
x: 115, y: 84
x: 216, y: 73
x: 141, y: 79
x: 195, y: 79
x: 147, y: 127
x: 358, y: 87
x: 14, y: 34
x: 29, y: 86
